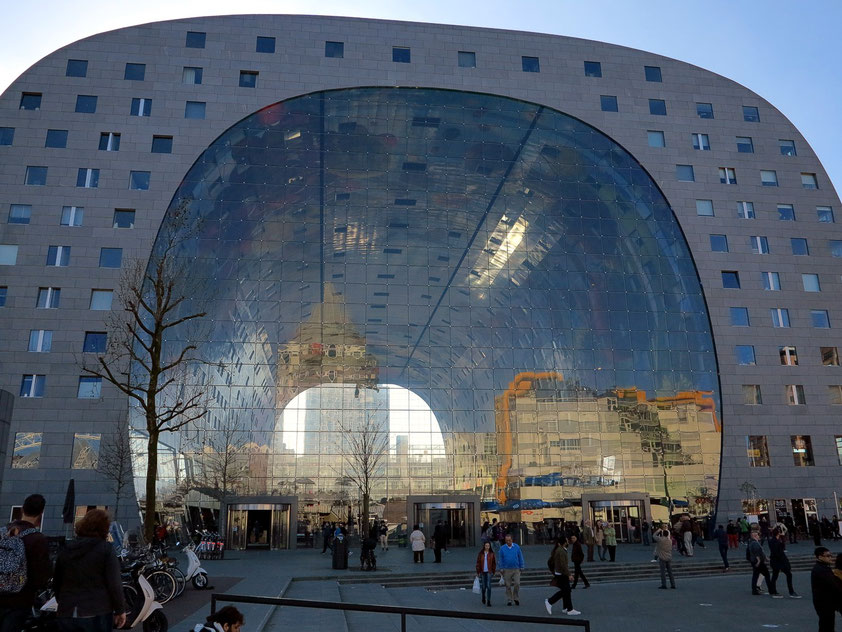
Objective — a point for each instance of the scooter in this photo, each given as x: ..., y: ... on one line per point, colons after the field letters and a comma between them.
x: 195, y: 572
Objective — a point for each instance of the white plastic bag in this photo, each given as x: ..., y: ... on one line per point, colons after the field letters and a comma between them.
x: 502, y: 581
x: 476, y: 589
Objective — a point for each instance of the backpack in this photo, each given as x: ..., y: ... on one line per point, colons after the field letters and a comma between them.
x: 13, y: 562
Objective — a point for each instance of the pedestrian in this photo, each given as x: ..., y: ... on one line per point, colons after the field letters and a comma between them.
x: 510, y: 561
x: 732, y: 531
x: 438, y: 541
x: 599, y: 540
x: 744, y: 529
x: 644, y: 531
x: 227, y: 619
x: 577, y: 556
x: 418, y: 543
x: 561, y: 579
x: 757, y: 557
x: 15, y: 607
x: 87, y: 583
x: 384, y: 536
x: 764, y: 529
x: 790, y: 529
x: 588, y: 537
x: 827, y: 589
x: 698, y: 535
x: 663, y: 551
x: 780, y: 562
x: 721, y: 536
x: 486, y: 568
x: 611, y: 540
x: 326, y: 535
x: 686, y: 533
x: 815, y: 531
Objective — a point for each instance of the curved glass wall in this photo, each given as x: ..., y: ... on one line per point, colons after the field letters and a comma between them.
x: 498, y: 288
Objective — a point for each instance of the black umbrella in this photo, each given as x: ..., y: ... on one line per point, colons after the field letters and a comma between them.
x: 68, y: 512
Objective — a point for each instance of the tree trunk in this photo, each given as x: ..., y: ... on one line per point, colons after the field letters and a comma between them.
x: 151, y: 481
x: 364, y: 527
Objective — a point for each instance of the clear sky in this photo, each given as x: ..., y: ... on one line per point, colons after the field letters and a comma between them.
x: 788, y: 52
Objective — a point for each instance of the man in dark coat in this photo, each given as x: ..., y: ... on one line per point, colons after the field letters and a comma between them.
x: 577, y: 556
x: 827, y: 589
x: 439, y: 539
x: 757, y: 557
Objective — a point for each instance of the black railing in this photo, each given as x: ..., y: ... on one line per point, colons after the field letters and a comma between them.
x: 400, y: 610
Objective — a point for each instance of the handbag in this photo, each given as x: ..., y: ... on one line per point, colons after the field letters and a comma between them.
x: 476, y: 589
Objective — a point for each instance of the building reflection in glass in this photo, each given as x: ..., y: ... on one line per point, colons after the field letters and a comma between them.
x: 500, y: 286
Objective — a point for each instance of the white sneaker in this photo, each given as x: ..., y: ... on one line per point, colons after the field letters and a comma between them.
x: 548, y: 606
x: 572, y: 612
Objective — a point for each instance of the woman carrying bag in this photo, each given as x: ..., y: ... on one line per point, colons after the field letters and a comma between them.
x: 486, y: 567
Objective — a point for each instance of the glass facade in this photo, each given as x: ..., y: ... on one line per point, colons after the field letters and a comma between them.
x: 495, y: 290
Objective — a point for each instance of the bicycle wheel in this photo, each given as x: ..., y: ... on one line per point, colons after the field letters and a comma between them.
x: 180, y: 579
x: 163, y: 584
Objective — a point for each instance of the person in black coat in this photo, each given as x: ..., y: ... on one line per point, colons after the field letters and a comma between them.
x: 780, y: 562
x: 577, y: 556
x: 439, y: 540
x: 827, y: 589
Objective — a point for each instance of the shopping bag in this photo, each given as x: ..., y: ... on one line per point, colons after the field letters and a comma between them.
x: 502, y: 581
x: 476, y: 589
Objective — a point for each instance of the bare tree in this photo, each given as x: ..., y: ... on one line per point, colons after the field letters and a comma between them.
x: 115, y: 462
x: 149, y: 354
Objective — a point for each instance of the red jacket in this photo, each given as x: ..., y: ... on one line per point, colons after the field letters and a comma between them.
x: 492, y: 562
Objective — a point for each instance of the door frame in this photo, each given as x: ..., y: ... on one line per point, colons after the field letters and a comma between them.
x: 291, y: 501
x: 473, y: 502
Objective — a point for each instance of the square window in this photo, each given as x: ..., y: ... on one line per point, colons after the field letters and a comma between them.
x: 780, y: 317
x: 248, y: 79
x: 719, y: 243
x: 72, y: 215
x: 771, y: 281
x: 56, y: 138
x: 739, y: 317
x: 85, y: 451
x: 731, y: 279
x: 704, y: 110
x: 467, y: 59
x: 33, y: 385
x: 830, y: 356
x: 109, y: 141
x: 704, y: 208
x: 759, y: 244
x: 401, y: 54
x: 811, y: 283
x: 745, y: 145
x: 89, y: 388
x: 808, y: 181
x: 744, y: 355
x: 110, y: 257
x: 835, y: 246
x: 802, y: 450
x: 656, y: 138
x: 787, y: 147
x: 194, y: 110
x: 48, y: 298
x: 123, y: 218
x: 36, y: 176
x: 727, y: 175
x: 101, y: 300
x: 786, y: 212
x: 76, y: 68
x: 834, y: 393
x: 751, y: 114
x: 745, y: 210
x: 86, y: 104
x: 191, y: 75
x: 820, y: 319
x: 139, y: 180
x: 195, y: 39
x: 608, y: 103
x: 768, y: 178
x: 530, y: 64
x: 30, y: 101
x: 95, y: 342
x: 141, y: 107
x: 8, y: 255
x: 7, y: 136
x: 87, y: 178
x: 265, y: 44
x: 20, y: 213
x: 40, y: 341
x: 701, y: 142
x: 58, y: 256
x: 788, y: 355
x: 684, y: 173
x: 162, y: 144
x: 135, y: 72
x: 652, y: 73
x: 4, y: 292
x: 337, y: 49
x: 658, y: 107
x: 27, y: 451
x: 757, y: 449
x: 593, y: 69
x: 825, y: 214
x: 799, y: 246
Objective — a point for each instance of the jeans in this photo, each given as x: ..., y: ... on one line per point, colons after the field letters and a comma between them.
x: 578, y: 572
x: 773, y: 584
x: 590, y: 552
x: 563, y: 583
x: 99, y: 623
x: 646, y: 538
x: 11, y: 619
x: 600, y: 550
x: 485, y: 586
x: 723, y: 551
x: 437, y: 552
x: 511, y: 576
x: 666, y: 569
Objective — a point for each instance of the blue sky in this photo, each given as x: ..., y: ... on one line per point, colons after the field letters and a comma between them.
x: 788, y: 52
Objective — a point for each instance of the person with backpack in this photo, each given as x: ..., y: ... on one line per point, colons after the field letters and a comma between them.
x: 24, y: 565
x: 227, y: 619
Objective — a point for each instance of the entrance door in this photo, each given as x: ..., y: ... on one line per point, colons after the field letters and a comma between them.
x: 623, y: 515
x: 258, y: 526
x: 458, y: 520
x: 237, y: 520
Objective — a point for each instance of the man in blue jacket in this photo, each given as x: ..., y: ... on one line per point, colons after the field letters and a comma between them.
x: 510, y: 562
